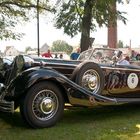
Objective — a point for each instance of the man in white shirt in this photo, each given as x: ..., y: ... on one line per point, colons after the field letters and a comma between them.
x: 123, y: 61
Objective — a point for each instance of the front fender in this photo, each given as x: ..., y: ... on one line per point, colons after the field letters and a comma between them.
x: 28, y: 78
x: 25, y: 80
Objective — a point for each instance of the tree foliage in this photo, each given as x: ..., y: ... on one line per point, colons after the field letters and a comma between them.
x: 13, y: 12
x: 71, y: 14
x: 61, y: 46
x: 28, y: 49
x: 84, y: 15
x: 120, y: 44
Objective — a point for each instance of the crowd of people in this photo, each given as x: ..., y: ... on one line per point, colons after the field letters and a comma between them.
x: 125, y: 60
x: 135, y: 56
x: 120, y: 58
x: 74, y: 55
x: 48, y: 54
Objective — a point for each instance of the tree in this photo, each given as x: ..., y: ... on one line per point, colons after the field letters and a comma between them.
x: 28, y: 49
x: 61, y: 46
x: 13, y: 12
x: 84, y: 15
x: 112, y: 28
x: 120, y: 44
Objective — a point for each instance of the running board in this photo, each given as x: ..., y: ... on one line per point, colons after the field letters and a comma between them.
x: 100, y: 98
x: 127, y: 100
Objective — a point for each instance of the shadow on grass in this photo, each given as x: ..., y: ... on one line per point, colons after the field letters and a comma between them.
x: 106, y: 122
x: 101, y: 113
x: 81, y: 115
x: 13, y: 120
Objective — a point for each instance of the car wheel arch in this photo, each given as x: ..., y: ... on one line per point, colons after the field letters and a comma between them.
x: 82, y: 67
x: 26, y: 117
x: 56, y: 83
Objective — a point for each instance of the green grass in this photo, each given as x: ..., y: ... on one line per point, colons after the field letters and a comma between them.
x: 101, y: 123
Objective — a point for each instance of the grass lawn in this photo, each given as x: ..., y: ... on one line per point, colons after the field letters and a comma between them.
x: 101, y: 123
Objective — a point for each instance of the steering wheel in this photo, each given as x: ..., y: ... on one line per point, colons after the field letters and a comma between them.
x: 16, y: 67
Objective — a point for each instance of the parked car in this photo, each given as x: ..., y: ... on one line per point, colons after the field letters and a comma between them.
x: 42, y: 89
x: 7, y: 61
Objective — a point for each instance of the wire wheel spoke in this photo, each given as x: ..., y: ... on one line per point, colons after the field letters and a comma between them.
x: 45, y: 105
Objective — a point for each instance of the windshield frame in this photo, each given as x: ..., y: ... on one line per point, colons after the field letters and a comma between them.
x: 90, y: 55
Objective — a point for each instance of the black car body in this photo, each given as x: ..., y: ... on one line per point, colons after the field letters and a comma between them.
x: 42, y: 89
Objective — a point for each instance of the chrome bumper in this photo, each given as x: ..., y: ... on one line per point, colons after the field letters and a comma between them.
x: 6, y: 106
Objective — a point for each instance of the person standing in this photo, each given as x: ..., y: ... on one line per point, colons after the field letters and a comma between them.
x: 48, y: 54
x: 133, y: 55
x: 61, y: 56
x: 56, y: 56
x: 75, y: 55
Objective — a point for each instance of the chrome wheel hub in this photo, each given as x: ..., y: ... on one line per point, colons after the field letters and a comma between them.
x: 92, y: 83
x: 45, y: 105
x: 91, y: 80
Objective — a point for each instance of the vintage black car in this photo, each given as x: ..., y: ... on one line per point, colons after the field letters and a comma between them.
x: 41, y: 90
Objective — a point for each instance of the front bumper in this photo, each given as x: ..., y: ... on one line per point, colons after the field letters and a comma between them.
x: 7, y: 106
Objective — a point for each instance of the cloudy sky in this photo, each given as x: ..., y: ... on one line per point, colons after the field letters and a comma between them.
x: 48, y: 33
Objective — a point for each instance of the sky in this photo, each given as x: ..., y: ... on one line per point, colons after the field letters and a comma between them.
x: 48, y: 33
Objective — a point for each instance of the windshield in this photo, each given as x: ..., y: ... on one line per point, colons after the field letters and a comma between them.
x: 98, y: 55
x: 85, y: 55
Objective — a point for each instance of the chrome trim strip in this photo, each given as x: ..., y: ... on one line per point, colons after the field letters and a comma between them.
x: 126, y: 69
